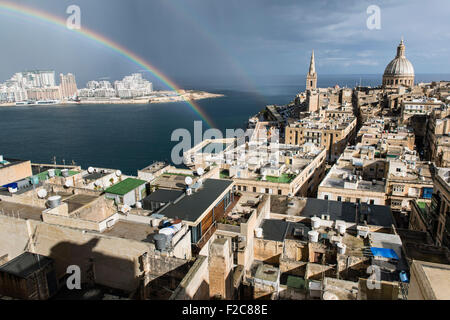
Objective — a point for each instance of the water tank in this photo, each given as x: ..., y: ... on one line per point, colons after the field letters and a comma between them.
x: 35, y: 180
x: 403, y: 277
x: 341, y: 248
x: 90, y: 170
x: 138, y: 205
x: 315, y: 222
x: 12, y: 189
x: 341, y: 228
x: 313, y: 236
x: 51, y: 173
x: 258, y: 232
x: 54, y: 201
x: 1, y: 158
x: 160, y: 241
x: 65, y: 173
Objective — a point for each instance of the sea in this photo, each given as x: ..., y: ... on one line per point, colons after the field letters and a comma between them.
x: 130, y: 137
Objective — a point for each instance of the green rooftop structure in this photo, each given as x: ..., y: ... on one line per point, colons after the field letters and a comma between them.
x: 124, y: 187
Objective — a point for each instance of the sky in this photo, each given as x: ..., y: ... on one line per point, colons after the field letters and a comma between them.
x: 245, y: 39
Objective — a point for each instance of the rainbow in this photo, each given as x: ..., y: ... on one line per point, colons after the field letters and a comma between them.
x: 47, y: 17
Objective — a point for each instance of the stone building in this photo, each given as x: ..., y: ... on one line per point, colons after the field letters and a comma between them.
x: 311, y: 77
x: 400, y: 71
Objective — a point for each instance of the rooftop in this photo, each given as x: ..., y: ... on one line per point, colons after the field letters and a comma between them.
x: 164, y: 195
x: 279, y: 230
x: 125, y: 186
x: 309, y: 207
x: 25, y: 264
x: 132, y: 230
x: 20, y: 210
x: 190, y: 208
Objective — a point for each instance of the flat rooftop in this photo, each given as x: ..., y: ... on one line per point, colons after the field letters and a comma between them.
x: 132, y: 230
x: 279, y: 230
x: 435, y: 277
x: 25, y: 264
x: 190, y: 208
x: 20, y: 210
x: 309, y: 207
x: 79, y: 200
x: 95, y: 175
x: 164, y: 195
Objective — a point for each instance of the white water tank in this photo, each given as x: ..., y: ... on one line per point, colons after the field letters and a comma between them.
x: 65, y: 173
x: 51, y: 173
x: 12, y: 190
x: 1, y: 158
x: 138, y: 205
x: 341, y: 247
x: 313, y: 236
x: 155, y: 222
x: 341, y: 228
x: 54, y: 201
x: 90, y: 170
x: 258, y: 232
x: 315, y: 222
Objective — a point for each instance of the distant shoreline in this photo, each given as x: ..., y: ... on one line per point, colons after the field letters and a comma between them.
x: 162, y: 97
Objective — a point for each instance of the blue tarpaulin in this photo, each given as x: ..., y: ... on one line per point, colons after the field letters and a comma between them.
x: 383, y: 252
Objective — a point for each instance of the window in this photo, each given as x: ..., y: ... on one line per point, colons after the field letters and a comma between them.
x: 267, y: 190
x: 398, y: 188
x: 372, y: 201
x: 326, y: 197
x: 245, y: 188
x: 339, y: 198
x: 279, y: 192
x: 254, y: 189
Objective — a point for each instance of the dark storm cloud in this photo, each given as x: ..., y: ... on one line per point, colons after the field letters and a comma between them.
x: 215, y: 37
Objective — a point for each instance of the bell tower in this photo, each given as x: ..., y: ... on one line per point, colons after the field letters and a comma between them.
x: 311, y: 77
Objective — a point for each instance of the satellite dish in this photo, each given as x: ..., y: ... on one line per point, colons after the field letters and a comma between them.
x: 188, y: 181
x: 68, y: 183
x: 42, y: 193
x: 118, y: 173
x: 200, y: 171
x: 90, y: 170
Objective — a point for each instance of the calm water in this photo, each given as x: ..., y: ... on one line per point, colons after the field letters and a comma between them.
x: 129, y: 137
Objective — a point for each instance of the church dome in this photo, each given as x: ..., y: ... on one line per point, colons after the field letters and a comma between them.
x: 400, y: 65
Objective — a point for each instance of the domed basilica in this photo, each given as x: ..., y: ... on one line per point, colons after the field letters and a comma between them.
x: 400, y: 71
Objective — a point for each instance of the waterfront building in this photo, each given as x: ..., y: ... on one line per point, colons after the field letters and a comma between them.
x: 68, y: 86
x: 133, y: 86
x: 45, y: 93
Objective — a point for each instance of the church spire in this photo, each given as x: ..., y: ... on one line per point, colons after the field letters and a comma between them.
x: 311, y: 77
x: 312, y: 65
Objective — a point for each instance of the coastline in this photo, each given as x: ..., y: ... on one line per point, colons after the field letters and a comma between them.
x: 161, y: 97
